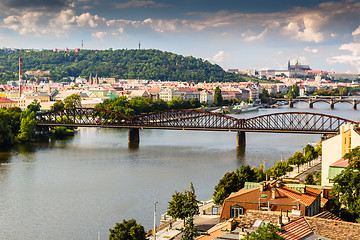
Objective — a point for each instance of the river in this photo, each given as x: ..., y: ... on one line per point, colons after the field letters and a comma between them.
x: 75, y: 188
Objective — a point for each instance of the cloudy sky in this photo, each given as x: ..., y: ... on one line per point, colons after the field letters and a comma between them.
x: 243, y: 34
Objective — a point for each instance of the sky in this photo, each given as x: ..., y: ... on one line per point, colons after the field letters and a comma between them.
x: 242, y: 34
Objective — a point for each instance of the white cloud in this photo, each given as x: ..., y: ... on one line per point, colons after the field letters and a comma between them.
x: 356, y: 32
x: 352, y: 59
x: 86, y: 19
x: 99, y: 35
x: 219, y: 57
x: 306, y: 29
x: 26, y: 23
x: 255, y: 37
x: 314, y: 50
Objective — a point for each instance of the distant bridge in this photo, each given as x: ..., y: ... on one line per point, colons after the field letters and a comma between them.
x: 287, y: 122
x: 311, y: 100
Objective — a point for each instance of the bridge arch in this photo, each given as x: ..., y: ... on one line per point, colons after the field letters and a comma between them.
x: 86, y: 117
x: 189, y: 119
x: 295, y: 122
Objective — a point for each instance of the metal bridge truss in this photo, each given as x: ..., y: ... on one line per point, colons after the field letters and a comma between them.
x: 290, y: 122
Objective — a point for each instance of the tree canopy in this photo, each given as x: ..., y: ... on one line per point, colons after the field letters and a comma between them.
x: 148, y: 64
x: 183, y: 204
x: 234, y: 181
x: 127, y: 230
x: 218, y: 99
x: 346, y: 188
x: 266, y: 232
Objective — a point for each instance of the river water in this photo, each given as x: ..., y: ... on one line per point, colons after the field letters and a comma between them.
x: 75, y: 188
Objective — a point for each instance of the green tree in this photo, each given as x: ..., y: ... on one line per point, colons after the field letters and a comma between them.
x: 318, y: 177
x: 293, y: 91
x: 229, y: 183
x: 34, y: 106
x: 127, y: 230
x: 264, y: 96
x: 218, y: 99
x: 309, y: 179
x: 345, y: 192
x: 297, y: 159
x: 266, y: 232
x: 73, y: 101
x: 190, y: 232
x: 6, y: 135
x: 27, y: 126
x: 183, y: 205
x: 57, y: 106
x: 280, y: 169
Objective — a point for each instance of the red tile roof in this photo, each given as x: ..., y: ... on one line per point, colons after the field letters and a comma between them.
x: 296, y: 229
x: 5, y: 100
x: 340, y: 163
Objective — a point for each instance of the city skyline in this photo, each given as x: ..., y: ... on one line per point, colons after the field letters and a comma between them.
x: 244, y: 35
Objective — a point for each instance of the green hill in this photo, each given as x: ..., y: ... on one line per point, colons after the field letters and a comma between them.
x: 121, y: 64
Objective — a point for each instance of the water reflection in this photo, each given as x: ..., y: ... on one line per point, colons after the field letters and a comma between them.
x: 240, y: 154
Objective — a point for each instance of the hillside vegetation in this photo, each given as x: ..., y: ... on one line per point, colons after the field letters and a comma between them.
x: 120, y: 64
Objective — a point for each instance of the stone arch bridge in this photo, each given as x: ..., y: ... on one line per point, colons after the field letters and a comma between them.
x: 311, y: 101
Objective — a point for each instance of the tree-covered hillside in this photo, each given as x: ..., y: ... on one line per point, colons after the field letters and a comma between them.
x: 121, y: 64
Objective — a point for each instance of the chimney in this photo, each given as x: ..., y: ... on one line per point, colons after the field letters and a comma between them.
x: 262, y: 187
x: 273, y: 193
x: 229, y: 224
x: 20, y: 77
x: 303, y: 190
x: 280, y: 223
x: 287, y: 216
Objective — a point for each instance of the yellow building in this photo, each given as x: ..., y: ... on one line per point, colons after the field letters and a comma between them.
x: 333, y: 149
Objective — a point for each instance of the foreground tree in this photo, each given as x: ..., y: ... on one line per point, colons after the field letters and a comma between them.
x: 34, y: 106
x: 266, y: 232
x: 27, y: 126
x: 73, y: 101
x: 280, y: 169
x: 228, y: 184
x: 190, y: 232
x: 127, y: 230
x: 183, y: 205
x: 58, y: 105
x: 309, y: 179
x: 297, y: 159
x: 346, y: 189
x: 218, y: 99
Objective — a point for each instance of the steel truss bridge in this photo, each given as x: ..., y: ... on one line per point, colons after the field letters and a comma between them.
x: 286, y: 122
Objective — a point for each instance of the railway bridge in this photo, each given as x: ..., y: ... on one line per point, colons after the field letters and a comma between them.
x: 286, y: 122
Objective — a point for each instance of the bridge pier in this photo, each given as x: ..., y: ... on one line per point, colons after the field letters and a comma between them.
x: 291, y: 104
x: 240, y: 139
x: 332, y: 106
x: 133, y: 136
x: 354, y: 103
x: 311, y: 104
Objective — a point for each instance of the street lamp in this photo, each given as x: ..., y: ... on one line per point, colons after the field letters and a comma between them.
x: 155, y: 220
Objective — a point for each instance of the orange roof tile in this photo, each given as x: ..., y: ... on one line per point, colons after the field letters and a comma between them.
x: 296, y: 229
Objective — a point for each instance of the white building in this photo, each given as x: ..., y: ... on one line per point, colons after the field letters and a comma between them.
x: 333, y: 149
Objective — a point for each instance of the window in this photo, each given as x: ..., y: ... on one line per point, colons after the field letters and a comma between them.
x: 236, y: 210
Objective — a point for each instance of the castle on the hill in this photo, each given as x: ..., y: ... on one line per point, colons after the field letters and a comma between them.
x: 298, y: 67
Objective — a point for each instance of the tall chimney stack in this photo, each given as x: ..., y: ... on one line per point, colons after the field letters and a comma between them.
x: 20, y: 77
